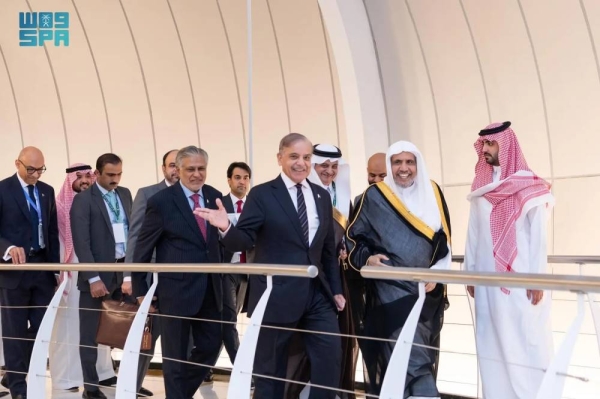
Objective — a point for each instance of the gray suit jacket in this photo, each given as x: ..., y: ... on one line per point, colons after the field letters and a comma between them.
x: 93, y: 238
x: 138, y: 212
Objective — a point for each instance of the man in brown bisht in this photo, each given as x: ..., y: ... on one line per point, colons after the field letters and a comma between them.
x: 402, y: 222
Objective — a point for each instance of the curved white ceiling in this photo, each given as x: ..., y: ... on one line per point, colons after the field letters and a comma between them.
x: 141, y: 77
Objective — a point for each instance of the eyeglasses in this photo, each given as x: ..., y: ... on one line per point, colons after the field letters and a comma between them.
x: 31, y: 170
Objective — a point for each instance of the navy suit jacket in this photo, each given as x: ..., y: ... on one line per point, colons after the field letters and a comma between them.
x: 15, y: 226
x: 271, y: 226
x: 171, y: 229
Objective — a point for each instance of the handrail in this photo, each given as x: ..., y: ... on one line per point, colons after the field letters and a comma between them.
x: 510, y: 280
x: 238, y: 268
x: 552, y: 259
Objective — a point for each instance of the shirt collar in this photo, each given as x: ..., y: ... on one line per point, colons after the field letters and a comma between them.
x: 167, y: 183
x: 102, y: 189
x: 235, y: 199
x: 23, y: 184
x: 290, y: 184
x: 188, y: 193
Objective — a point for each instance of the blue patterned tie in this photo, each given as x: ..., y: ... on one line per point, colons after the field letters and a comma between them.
x: 302, y: 212
x: 34, y: 220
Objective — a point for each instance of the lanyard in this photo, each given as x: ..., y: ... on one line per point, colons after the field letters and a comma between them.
x: 34, y: 204
x: 116, y: 211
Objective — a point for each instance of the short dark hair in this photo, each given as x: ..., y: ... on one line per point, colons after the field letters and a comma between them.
x: 166, y: 155
x: 290, y: 139
x: 241, y: 165
x: 107, y: 158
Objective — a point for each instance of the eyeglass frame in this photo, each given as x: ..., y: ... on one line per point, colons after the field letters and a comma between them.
x: 31, y: 170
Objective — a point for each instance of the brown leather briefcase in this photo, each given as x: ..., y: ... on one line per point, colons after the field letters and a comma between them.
x: 115, y: 321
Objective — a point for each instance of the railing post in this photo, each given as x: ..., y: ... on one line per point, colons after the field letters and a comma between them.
x: 595, y: 315
x: 553, y: 384
x: 127, y: 381
x: 241, y: 375
x: 36, y: 380
x: 395, y: 376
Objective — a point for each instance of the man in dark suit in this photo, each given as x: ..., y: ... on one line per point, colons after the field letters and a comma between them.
x: 138, y: 212
x: 99, y: 225
x: 289, y: 221
x: 28, y: 234
x: 234, y: 285
x: 171, y: 229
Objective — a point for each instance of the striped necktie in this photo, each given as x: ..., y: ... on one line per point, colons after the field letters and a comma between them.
x: 302, y: 212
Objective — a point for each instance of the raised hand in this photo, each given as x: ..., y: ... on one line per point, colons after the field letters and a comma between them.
x: 216, y: 217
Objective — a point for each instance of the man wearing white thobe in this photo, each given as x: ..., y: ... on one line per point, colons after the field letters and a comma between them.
x: 65, y: 365
x: 507, y: 233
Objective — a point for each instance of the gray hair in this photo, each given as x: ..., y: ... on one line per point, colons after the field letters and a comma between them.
x: 190, y: 151
x: 290, y: 138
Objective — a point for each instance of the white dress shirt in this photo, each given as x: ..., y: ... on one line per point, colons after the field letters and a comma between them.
x: 234, y: 200
x: 309, y: 199
x: 24, y: 185
x: 119, y: 246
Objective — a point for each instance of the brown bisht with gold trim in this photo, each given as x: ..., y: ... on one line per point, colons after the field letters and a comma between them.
x: 383, y: 225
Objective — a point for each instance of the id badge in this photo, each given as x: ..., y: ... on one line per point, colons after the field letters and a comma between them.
x: 41, y: 235
x: 119, y: 232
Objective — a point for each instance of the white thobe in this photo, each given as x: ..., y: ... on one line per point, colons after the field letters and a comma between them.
x: 65, y: 363
x: 514, y: 337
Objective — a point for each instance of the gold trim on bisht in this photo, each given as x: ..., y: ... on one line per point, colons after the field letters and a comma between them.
x: 340, y: 218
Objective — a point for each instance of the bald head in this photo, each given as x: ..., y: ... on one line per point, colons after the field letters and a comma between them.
x: 376, y: 168
x: 30, y: 164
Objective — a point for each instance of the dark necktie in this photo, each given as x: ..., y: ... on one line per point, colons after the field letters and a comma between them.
x: 200, y: 220
x: 302, y: 212
x: 34, y: 220
x: 239, y: 210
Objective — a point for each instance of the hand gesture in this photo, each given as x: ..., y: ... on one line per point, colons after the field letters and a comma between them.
x: 430, y: 287
x: 340, y: 302
x: 18, y: 255
x: 126, y: 288
x: 216, y: 217
x: 98, y: 289
x: 375, y: 260
x: 535, y: 296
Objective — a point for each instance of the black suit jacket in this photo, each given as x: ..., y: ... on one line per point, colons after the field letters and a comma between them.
x: 93, y: 238
x: 171, y: 229
x: 271, y: 225
x: 15, y: 226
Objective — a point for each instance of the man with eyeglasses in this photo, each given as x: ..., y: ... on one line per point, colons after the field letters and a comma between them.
x: 28, y: 234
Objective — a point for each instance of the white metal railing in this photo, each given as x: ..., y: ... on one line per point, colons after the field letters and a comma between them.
x: 241, y: 373
x: 555, y: 375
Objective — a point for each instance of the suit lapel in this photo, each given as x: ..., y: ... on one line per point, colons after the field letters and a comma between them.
x: 184, y: 207
x: 228, y: 204
x: 45, y: 207
x: 209, y: 202
x: 283, y: 197
x: 19, y: 196
x: 126, y: 203
x: 99, y: 201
